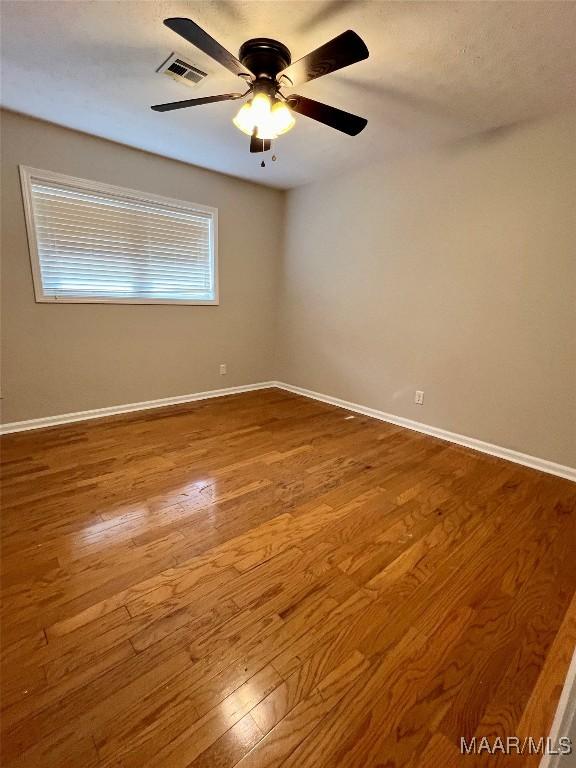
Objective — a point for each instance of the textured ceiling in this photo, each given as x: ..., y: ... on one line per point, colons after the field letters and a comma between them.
x: 437, y: 71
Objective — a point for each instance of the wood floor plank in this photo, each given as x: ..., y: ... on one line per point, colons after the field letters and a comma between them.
x: 176, y: 740
x: 546, y: 692
x: 260, y: 580
x: 352, y: 734
x: 231, y: 747
x: 281, y: 740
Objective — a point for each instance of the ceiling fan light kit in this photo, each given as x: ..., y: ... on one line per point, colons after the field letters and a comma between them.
x: 264, y: 116
x: 265, y: 66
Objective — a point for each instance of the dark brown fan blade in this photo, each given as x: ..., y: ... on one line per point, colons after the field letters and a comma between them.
x: 190, y: 31
x: 195, y: 102
x: 259, y: 145
x: 335, y: 118
x: 346, y: 49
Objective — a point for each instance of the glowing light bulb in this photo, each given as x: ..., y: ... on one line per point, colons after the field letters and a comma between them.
x: 282, y: 118
x: 261, y: 106
x: 267, y: 119
x: 254, y: 114
x: 244, y: 120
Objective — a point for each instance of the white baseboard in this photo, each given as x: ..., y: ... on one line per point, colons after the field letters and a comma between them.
x: 97, y: 413
x: 469, y: 442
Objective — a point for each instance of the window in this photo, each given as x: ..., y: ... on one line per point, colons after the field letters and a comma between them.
x: 92, y: 242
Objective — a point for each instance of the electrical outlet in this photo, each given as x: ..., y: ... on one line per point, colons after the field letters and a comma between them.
x: 223, y: 369
x: 419, y: 397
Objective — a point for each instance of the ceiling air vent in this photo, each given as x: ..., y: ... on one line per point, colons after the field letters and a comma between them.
x: 179, y: 69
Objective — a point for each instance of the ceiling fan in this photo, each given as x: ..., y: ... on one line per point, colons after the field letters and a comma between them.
x: 266, y: 66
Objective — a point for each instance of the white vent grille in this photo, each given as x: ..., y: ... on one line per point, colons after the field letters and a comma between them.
x: 178, y: 68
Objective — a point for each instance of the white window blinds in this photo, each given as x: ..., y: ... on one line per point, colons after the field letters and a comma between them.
x: 93, y: 242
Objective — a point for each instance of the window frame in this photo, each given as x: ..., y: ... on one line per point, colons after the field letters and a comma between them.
x: 27, y: 174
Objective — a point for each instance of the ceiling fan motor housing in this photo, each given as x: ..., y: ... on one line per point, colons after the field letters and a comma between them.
x: 265, y: 57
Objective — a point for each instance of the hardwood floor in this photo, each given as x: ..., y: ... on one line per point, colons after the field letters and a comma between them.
x: 263, y: 580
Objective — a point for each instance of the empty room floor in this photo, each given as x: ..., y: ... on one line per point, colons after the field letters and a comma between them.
x: 265, y: 580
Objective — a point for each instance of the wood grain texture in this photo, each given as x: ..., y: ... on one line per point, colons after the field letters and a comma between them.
x: 263, y: 581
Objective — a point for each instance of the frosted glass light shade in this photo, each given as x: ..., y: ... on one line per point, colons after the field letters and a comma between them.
x: 270, y: 120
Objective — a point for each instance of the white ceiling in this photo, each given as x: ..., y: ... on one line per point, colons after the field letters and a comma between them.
x: 437, y: 71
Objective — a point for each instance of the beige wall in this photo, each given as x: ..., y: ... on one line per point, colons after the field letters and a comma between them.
x: 63, y: 358
x: 453, y: 272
